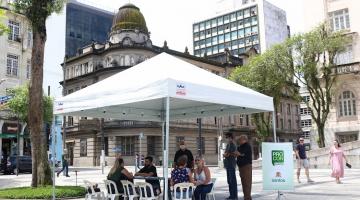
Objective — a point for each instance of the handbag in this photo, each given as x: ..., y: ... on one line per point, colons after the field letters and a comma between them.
x: 348, y: 165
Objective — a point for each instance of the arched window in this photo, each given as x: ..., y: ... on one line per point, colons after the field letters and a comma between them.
x: 347, y: 104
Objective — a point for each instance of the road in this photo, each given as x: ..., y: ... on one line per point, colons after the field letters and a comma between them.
x: 324, y: 186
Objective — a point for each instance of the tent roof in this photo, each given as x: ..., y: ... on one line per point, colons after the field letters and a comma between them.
x: 139, y: 93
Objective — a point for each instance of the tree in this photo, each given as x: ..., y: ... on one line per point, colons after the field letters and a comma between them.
x: 314, y: 66
x: 3, y: 27
x: 266, y: 74
x: 37, y: 11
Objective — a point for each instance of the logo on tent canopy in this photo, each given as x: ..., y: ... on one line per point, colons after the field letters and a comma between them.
x: 180, y: 89
x: 59, y: 106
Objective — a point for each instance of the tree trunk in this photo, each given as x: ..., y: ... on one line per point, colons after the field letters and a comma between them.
x: 40, y: 167
x: 321, y: 136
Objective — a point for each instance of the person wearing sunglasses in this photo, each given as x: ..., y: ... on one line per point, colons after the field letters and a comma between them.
x: 302, y: 160
x: 202, y: 179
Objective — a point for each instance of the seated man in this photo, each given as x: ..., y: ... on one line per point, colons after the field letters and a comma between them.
x: 149, y: 170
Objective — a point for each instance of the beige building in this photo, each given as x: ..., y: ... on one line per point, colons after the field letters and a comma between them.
x: 15, y: 60
x: 344, y: 118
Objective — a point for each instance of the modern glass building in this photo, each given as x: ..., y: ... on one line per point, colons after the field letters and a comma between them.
x: 85, y: 24
x: 255, y: 23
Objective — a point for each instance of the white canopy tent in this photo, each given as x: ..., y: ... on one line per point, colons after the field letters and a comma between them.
x: 163, y: 88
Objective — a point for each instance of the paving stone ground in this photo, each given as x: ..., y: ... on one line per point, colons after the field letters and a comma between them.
x: 324, y: 186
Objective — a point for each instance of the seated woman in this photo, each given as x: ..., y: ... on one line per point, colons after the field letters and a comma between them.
x: 119, y: 173
x: 181, y: 174
x: 202, y: 179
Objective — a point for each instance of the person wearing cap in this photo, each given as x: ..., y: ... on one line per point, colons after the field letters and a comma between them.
x: 230, y: 166
x: 302, y: 161
x: 183, y: 151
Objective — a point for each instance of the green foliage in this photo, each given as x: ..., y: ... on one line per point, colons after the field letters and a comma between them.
x: 3, y: 28
x: 20, y: 102
x: 37, y: 11
x: 267, y: 74
x: 42, y: 192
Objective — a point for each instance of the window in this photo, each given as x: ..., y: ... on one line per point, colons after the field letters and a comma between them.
x: 14, y: 31
x: 241, y: 33
x: 214, y: 31
x: 347, y: 137
x: 239, y: 14
x: 234, y: 35
x: 106, y: 146
x: 226, y: 18
x: 127, y: 145
x: 220, y: 20
x: 344, y: 57
x: 305, y: 99
x: 28, y: 69
x: 196, y: 27
x: 306, y: 134
x: 289, y: 124
x: 208, y: 42
x: 347, y: 104
x: 216, y: 145
x: 248, y: 31
x: 241, y: 119
x: 29, y: 38
x: 296, y: 109
x: 151, y: 143
x: 214, y: 40
x: 70, y: 121
x: 339, y: 20
x: 247, y: 120
x: 281, y: 123
x: 178, y: 140
x: 12, y: 65
x: 202, y: 26
x: 227, y: 37
x: 83, y: 147
x: 213, y: 23
x: 305, y: 111
x: 305, y: 123
x: 200, y: 145
x: 288, y: 109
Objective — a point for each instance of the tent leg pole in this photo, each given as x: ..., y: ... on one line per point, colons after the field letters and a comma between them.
x: 274, y: 125
x: 166, y: 151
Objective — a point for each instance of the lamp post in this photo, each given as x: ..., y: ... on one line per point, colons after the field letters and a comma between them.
x: 17, y: 145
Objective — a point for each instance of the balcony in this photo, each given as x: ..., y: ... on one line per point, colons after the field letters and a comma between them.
x: 348, y: 68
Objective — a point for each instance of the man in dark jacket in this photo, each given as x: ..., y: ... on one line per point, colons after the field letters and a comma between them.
x: 244, y: 162
x: 183, y: 151
x: 230, y: 166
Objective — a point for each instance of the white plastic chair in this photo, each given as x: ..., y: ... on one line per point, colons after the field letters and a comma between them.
x: 143, y: 188
x: 113, y: 195
x: 183, y: 189
x: 93, y: 195
x: 211, y: 194
x: 130, y: 195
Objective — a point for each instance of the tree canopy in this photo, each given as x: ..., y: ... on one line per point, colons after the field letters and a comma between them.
x: 20, y: 101
x: 266, y: 73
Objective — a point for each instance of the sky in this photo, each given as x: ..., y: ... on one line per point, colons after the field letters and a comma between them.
x: 169, y: 20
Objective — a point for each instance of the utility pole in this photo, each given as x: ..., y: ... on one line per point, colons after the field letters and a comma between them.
x: 200, y: 139
x: 64, y: 93
x: 17, y: 145
x: 102, y: 156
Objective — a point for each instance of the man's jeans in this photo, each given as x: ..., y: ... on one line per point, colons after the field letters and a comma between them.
x: 231, y: 179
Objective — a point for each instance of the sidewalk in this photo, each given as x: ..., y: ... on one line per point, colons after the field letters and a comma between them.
x: 323, y: 188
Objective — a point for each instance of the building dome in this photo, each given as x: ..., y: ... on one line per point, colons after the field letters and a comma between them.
x: 129, y: 17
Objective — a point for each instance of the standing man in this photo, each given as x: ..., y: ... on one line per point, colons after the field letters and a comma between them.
x: 302, y: 160
x: 149, y: 170
x: 244, y: 162
x: 183, y: 151
x: 230, y: 165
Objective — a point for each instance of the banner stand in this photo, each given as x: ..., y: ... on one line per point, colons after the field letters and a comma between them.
x: 277, y: 167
